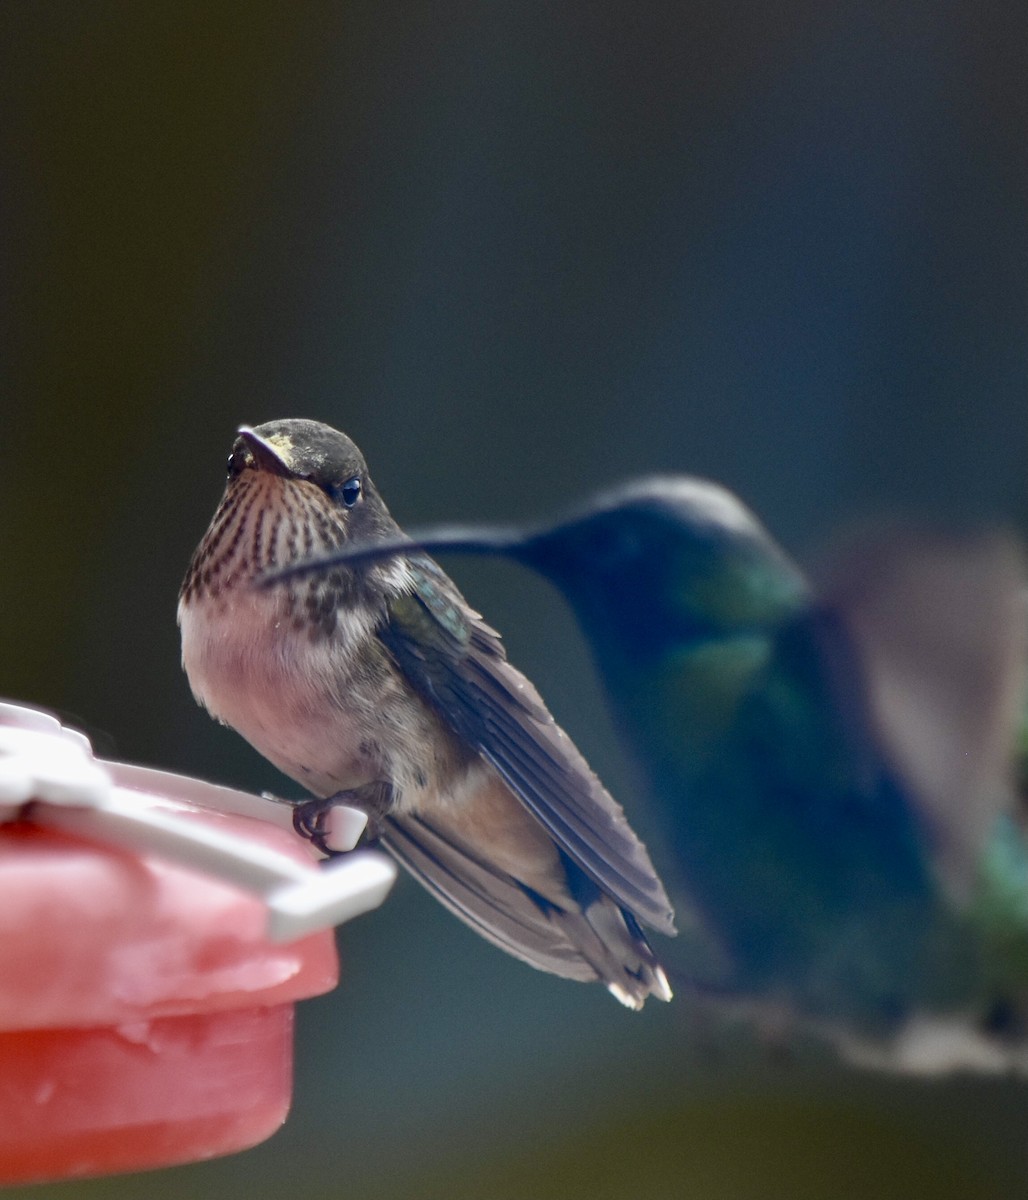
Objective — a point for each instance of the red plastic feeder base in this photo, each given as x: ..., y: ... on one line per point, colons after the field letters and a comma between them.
x: 77, y: 1102
x: 145, y: 1019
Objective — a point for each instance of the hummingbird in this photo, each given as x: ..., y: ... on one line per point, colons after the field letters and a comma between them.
x: 378, y: 686
x: 828, y: 761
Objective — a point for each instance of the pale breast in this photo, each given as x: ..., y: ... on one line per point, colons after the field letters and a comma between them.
x: 282, y: 690
x: 333, y: 712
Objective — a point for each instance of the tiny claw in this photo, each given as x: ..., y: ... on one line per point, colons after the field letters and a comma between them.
x: 310, y: 821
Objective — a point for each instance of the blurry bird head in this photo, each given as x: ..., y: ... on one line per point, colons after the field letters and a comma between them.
x: 663, y: 559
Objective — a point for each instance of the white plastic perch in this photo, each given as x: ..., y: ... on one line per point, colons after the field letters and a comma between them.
x: 53, y: 768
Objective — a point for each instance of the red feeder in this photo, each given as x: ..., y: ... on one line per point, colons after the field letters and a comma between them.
x: 145, y: 1019
x: 146, y: 1016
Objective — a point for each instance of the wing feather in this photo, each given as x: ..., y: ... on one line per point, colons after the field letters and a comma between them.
x: 459, y: 666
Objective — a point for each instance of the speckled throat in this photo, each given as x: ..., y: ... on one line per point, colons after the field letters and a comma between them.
x: 265, y: 522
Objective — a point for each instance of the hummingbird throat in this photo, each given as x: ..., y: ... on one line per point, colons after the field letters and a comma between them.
x: 265, y: 523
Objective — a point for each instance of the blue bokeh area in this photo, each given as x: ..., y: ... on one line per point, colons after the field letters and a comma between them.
x: 518, y: 252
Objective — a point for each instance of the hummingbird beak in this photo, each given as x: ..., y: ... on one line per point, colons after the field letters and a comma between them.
x: 446, y: 539
x: 268, y: 457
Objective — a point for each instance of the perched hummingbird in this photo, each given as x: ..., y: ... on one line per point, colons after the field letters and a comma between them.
x: 830, y: 765
x: 377, y: 686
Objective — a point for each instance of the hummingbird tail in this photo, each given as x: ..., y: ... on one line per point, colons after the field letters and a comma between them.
x: 589, y: 939
x: 620, y: 954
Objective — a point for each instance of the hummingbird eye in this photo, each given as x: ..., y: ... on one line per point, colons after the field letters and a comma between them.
x: 237, y: 460
x: 350, y: 492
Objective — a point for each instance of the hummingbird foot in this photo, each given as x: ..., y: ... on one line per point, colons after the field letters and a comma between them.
x: 311, y: 818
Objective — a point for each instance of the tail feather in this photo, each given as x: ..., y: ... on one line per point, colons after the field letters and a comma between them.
x: 590, y: 938
x: 611, y: 940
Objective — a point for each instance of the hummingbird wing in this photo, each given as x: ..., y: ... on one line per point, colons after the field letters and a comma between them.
x: 457, y: 663
x: 940, y: 624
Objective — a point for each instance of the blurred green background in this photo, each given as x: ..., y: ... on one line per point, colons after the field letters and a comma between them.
x: 518, y: 252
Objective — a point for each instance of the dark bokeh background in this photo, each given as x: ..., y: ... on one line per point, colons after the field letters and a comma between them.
x: 517, y: 251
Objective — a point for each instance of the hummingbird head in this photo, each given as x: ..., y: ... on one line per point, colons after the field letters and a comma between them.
x: 296, y: 488
x: 665, y: 560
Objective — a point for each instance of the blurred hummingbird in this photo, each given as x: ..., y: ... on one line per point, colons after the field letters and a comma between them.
x: 377, y: 686
x: 830, y: 765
